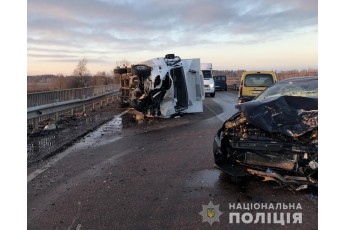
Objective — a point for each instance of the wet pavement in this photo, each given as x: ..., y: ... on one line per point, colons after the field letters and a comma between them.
x: 156, y: 175
x: 43, y: 145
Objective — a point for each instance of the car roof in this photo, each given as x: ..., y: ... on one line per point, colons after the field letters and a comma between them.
x: 260, y: 72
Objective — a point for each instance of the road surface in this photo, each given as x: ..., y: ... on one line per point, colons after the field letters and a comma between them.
x: 157, y: 176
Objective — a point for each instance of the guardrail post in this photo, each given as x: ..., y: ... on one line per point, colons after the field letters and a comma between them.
x: 35, y: 124
x: 72, y: 111
x: 57, y: 116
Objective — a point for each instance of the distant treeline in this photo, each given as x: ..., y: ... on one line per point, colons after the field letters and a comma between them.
x: 50, y: 82
x: 234, y: 76
x: 58, y: 82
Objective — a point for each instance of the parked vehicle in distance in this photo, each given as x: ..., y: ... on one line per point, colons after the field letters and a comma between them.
x: 220, y: 82
x: 253, y: 83
x: 209, y: 86
x: 274, y: 136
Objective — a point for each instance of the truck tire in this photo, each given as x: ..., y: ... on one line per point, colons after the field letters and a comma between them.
x: 141, y: 70
x: 120, y: 71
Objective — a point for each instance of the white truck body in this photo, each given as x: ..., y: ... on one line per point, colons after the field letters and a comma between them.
x: 171, y: 85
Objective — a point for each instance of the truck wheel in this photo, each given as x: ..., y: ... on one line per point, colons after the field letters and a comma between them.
x: 120, y: 71
x: 141, y: 70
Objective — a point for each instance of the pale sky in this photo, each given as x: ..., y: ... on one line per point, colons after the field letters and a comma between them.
x: 231, y: 34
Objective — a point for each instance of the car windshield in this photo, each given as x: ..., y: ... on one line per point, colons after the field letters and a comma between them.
x: 295, y: 87
x: 258, y: 80
x: 207, y: 74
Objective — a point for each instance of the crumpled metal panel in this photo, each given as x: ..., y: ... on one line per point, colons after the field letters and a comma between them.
x: 289, y: 115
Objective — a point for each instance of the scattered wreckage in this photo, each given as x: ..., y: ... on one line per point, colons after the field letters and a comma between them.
x: 163, y: 86
x: 275, y: 136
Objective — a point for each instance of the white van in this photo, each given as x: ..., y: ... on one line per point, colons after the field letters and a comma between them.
x: 163, y: 86
x: 209, y: 86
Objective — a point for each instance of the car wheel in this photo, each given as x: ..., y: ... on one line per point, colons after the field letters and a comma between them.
x: 212, y: 94
x: 219, y: 157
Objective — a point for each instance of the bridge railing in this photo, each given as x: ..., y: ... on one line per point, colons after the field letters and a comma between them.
x: 50, y: 97
x: 52, y: 104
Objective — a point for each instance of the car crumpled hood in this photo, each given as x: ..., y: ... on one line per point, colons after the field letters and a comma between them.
x: 289, y: 115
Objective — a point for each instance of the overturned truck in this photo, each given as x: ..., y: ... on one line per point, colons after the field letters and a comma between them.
x: 163, y: 86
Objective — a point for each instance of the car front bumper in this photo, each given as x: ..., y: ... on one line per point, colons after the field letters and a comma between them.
x: 209, y: 89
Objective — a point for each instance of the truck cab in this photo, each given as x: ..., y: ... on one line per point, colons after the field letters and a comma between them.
x: 209, y: 85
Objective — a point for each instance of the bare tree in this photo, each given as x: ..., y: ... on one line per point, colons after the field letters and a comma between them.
x: 103, y: 78
x: 113, y: 78
x: 100, y: 78
x: 59, y: 84
x: 81, y: 71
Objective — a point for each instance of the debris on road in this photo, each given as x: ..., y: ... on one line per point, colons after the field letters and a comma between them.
x: 50, y: 127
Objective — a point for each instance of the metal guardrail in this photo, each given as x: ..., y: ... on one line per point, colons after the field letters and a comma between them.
x: 50, y: 97
x: 44, y: 105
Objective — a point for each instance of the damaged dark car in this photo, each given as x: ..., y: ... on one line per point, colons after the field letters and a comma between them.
x: 274, y: 136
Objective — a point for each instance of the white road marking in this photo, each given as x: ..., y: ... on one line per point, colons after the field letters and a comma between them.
x: 227, y: 101
x: 76, y: 216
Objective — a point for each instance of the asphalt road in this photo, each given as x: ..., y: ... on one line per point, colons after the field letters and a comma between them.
x: 155, y: 176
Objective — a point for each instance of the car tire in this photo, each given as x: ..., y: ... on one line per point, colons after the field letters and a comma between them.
x: 220, y: 158
x: 212, y: 94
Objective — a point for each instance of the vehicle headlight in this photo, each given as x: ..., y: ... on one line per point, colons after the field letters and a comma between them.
x: 211, y: 85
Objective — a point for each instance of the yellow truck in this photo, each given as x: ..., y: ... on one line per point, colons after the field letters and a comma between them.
x: 253, y: 83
